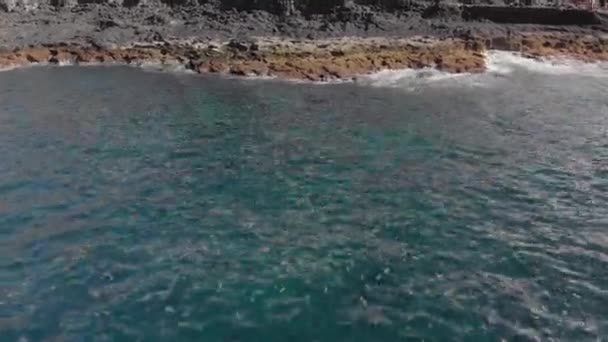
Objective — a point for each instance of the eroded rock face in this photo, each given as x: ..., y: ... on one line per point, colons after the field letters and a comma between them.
x: 387, y: 4
x: 286, y: 7
x: 523, y: 15
x: 12, y: 5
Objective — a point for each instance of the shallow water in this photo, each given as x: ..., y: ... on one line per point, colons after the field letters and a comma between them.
x: 147, y: 206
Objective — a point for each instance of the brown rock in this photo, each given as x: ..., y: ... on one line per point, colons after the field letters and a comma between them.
x: 39, y: 55
x: 342, y: 59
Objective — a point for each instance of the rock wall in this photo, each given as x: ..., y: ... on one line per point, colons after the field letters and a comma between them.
x: 284, y: 6
x: 10, y: 5
x: 492, y: 12
x: 530, y: 15
x: 311, y: 6
x: 274, y: 6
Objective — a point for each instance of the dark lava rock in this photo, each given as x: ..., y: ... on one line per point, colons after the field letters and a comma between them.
x: 240, y: 45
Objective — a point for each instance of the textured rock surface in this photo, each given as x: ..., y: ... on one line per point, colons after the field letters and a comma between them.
x: 303, y: 38
x: 125, y: 21
x: 275, y: 6
x: 522, y: 15
x: 320, y: 60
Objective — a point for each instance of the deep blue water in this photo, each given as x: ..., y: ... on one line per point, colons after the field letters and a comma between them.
x: 145, y: 206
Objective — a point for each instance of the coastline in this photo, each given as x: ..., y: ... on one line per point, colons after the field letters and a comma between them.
x: 339, y: 44
x: 314, y: 60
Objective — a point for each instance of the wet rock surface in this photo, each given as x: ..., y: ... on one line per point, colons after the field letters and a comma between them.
x: 314, y: 60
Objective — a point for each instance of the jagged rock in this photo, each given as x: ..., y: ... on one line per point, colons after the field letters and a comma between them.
x: 107, y: 23
x: 286, y: 7
x: 64, y: 3
x: 242, y: 46
x: 19, y: 5
x: 8, y: 5
x: 156, y: 19
x: 315, y: 61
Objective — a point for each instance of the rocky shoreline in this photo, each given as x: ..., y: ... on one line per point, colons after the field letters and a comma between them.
x: 314, y: 60
x: 341, y: 43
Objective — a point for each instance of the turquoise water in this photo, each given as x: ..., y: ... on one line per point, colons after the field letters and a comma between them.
x: 142, y: 206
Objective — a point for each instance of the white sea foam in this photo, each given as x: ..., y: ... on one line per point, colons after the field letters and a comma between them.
x: 408, y: 78
x: 146, y: 66
x: 499, y: 65
x: 10, y: 67
x: 503, y: 62
x: 289, y: 80
x: 166, y: 67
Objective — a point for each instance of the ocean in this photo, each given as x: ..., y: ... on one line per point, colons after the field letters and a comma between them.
x: 138, y: 205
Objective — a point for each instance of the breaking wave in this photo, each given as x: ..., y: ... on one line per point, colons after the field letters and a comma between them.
x: 504, y: 62
x: 499, y: 65
x: 409, y: 78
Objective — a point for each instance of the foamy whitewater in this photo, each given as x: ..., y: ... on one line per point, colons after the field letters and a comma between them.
x: 499, y: 63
